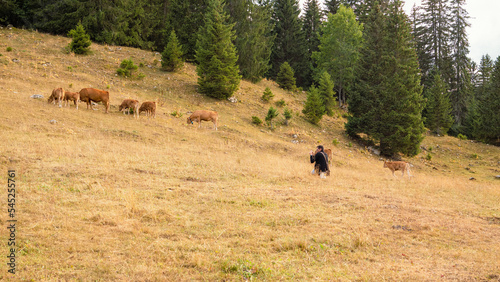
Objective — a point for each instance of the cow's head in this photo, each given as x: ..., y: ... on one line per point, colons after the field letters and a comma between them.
x: 189, y: 121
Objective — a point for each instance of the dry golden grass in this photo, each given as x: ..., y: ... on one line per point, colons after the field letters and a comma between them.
x: 106, y: 197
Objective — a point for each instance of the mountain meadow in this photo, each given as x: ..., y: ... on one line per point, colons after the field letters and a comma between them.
x: 106, y: 197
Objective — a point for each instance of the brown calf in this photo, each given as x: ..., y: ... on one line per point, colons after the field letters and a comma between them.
x: 57, y: 95
x: 71, y: 96
x: 328, y: 153
x: 148, y: 107
x: 130, y: 104
x: 203, y: 115
x: 89, y: 95
x: 398, y: 165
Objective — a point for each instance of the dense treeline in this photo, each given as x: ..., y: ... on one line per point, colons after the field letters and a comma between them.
x: 395, y: 72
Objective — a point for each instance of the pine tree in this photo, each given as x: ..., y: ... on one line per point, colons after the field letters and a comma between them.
x: 339, y: 50
x: 286, y: 77
x: 387, y: 102
x: 186, y: 17
x: 439, y: 119
x: 288, y: 116
x: 485, y: 70
x: 489, y: 107
x: 289, y: 44
x: 461, y: 86
x: 314, y: 108
x: 271, y: 114
x: 81, y: 40
x: 327, y: 93
x: 332, y: 6
x: 311, y: 27
x: 216, y: 55
x: 171, y: 58
x: 433, y: 40
x: 253, y: 37
x: 267, y: 95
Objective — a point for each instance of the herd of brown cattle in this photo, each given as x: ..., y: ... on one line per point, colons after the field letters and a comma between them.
x: 89, y: 95
x: 92, y: 95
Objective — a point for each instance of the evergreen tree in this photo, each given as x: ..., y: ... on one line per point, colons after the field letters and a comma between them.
x: 311, y: 27
x: 216, y: 55
x: 485, y: 70
x: 489, y: 107
x: 461, y: 86
x: 332, y: 6
x: 314, y: 108
x: 253, y: 37
x: 289, y: 44
x: 433, y: 36
x: 387, y: 102
x: 327, y: 93
x: 339, y: 50
x: 288, y: 116
x: 186, y: 17
x: 268, y: 95
x: 271, y: 114
x: 439, y: 119
x: 81, y: 40
x: 286, y: 77
x: 171, y: 58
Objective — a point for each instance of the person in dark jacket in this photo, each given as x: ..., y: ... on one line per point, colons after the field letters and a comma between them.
x: 321, y: 162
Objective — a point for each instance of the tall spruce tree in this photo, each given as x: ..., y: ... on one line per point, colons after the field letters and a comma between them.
x: 326, y: 92
x: 253, y: 37
x: 339, y: 50
x: 439, y: 119
x: 289, y: 44
x: 186, y: 17
x: 218, y: 74
x: 387, y: 101
x: 311, y: 27
x: 484, y: 74
x: 489, y: 107
x: 433, y: 34
x: 461, y: 86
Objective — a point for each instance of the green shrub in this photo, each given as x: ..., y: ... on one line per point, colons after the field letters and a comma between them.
x: 126, y: 68
x: 428, y: 157
x: 461, y: 136
x: 176, y: 114
x: 256, y: 120
x: 335, y: 142
x: 9, y: 49
x: 268, y: 95
x: 280, y: 103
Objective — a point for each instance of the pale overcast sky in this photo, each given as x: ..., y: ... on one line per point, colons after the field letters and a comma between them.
x: 484, y: 32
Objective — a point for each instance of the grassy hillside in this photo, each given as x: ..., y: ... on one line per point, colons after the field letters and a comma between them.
x: 107, y: 197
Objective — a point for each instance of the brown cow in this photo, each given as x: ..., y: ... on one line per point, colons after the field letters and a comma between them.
x: 57, y: 95
x: 328, y: 153
x: 128, y: 104
x: 148, y: 107
x: 203, y: 115
x: 71, y: 96
x: 398, y: 165
x: 89, y: 95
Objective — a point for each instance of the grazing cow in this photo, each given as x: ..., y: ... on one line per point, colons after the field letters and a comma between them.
x: 128, y: 104
x: 203, y: 115
x: 394, y: 166
x: 71, y: 96
x: 57, y: 95
x: 148, y: 107
x: 328, y: 153
x: 89, y: 95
